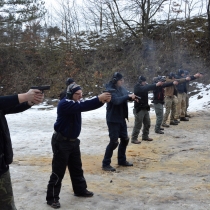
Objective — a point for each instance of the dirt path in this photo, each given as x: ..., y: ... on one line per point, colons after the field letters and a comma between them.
x: 172, y: 172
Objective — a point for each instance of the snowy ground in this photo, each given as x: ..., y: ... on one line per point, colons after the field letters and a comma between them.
x: 174, y: 168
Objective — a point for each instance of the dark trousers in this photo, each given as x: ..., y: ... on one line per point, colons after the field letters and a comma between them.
x: 141, y: 117
x: 116, y: 130
x: 65, y: 153
x: 159, y: 116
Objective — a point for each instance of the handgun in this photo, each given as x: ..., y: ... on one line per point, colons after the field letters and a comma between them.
x: 109, y: 90
x: 42, y: 88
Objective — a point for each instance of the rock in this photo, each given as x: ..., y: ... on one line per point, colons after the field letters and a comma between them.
x: 199, y: 97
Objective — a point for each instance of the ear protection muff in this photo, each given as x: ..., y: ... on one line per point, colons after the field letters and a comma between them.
x: 140, y: 79
x: 114, y: 78
x: 69, y: 92
x: 181, y: 71
x: 171, y: 75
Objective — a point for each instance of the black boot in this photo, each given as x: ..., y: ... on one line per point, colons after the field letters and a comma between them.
x: 184, y: 119
x: 173, y: 123
x: 108, y: 168
x: 86, y: 193
x: 159, y: 132
x: 126, y: 163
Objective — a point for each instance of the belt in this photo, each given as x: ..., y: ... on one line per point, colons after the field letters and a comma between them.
x: 63, y: 137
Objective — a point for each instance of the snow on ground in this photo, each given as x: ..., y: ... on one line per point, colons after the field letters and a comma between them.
x: 201, y: 100
x: 167, y: 174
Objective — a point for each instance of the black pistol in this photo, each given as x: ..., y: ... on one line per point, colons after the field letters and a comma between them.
x: 42, y: 88
x: 109, y: 90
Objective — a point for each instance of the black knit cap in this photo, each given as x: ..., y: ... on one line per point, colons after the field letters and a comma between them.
x: 180, y: 72
x: 69, y: 81
x: 142, y: 79
x: 117, y: 76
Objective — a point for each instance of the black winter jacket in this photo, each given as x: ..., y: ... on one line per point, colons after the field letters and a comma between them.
x: 142, y: 91
x: 8, y: 105
x: 158, y: 93
x: 117, y: 108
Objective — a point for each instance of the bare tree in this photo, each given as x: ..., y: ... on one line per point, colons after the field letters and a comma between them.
x: 208, y: 14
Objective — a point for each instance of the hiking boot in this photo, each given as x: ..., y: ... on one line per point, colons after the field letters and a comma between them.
x: 126, y: 163
x: 86, y: 193
x: 184, y: 119
x: 135, y: 142
x: 161, y: 129
x: 165, y: 125
x: 147, y: 139
x: 54, y: 204
x: 173, y: 123
x: 176, y: 121
x: 108, y: 168
x: 159, y: 132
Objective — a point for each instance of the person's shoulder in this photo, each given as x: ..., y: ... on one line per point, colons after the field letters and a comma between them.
x: 66, y: 100
x: 137, y: 85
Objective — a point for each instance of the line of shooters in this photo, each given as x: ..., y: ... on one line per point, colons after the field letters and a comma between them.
x: 65, y: 143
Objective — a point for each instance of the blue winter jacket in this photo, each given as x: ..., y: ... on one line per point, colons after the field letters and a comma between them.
x: 69, y: 119
x: 117, y: 108
x: 182, y: 87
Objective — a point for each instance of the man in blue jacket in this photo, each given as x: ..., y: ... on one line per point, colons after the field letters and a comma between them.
x: 117, y: 112
x: 65, y: 143
x: 10, y: 105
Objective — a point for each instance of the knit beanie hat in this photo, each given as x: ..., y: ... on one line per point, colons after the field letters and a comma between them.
x: 180, y: 72
x: 71, y: 89
x: 117, y: 76
x: 69, y: 81
x: 142, y: 79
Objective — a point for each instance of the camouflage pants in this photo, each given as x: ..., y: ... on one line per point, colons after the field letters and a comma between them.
x: 170, y: 107
x: 174, y: 114
x: 6, y: 193
x: 181, y: 107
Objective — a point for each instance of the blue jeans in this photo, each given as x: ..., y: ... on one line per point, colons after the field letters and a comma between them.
x: 116, y: 130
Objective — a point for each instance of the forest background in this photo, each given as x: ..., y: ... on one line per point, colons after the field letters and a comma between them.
x: 90, y: 40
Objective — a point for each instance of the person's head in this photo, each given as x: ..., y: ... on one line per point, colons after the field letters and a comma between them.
x: 74, y: 92
x: 171, y: 75
x: 69, y: 81
x: 186, y: 73
x: 117, y: 79
x: 142, y: 80
x: 181, y: 72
